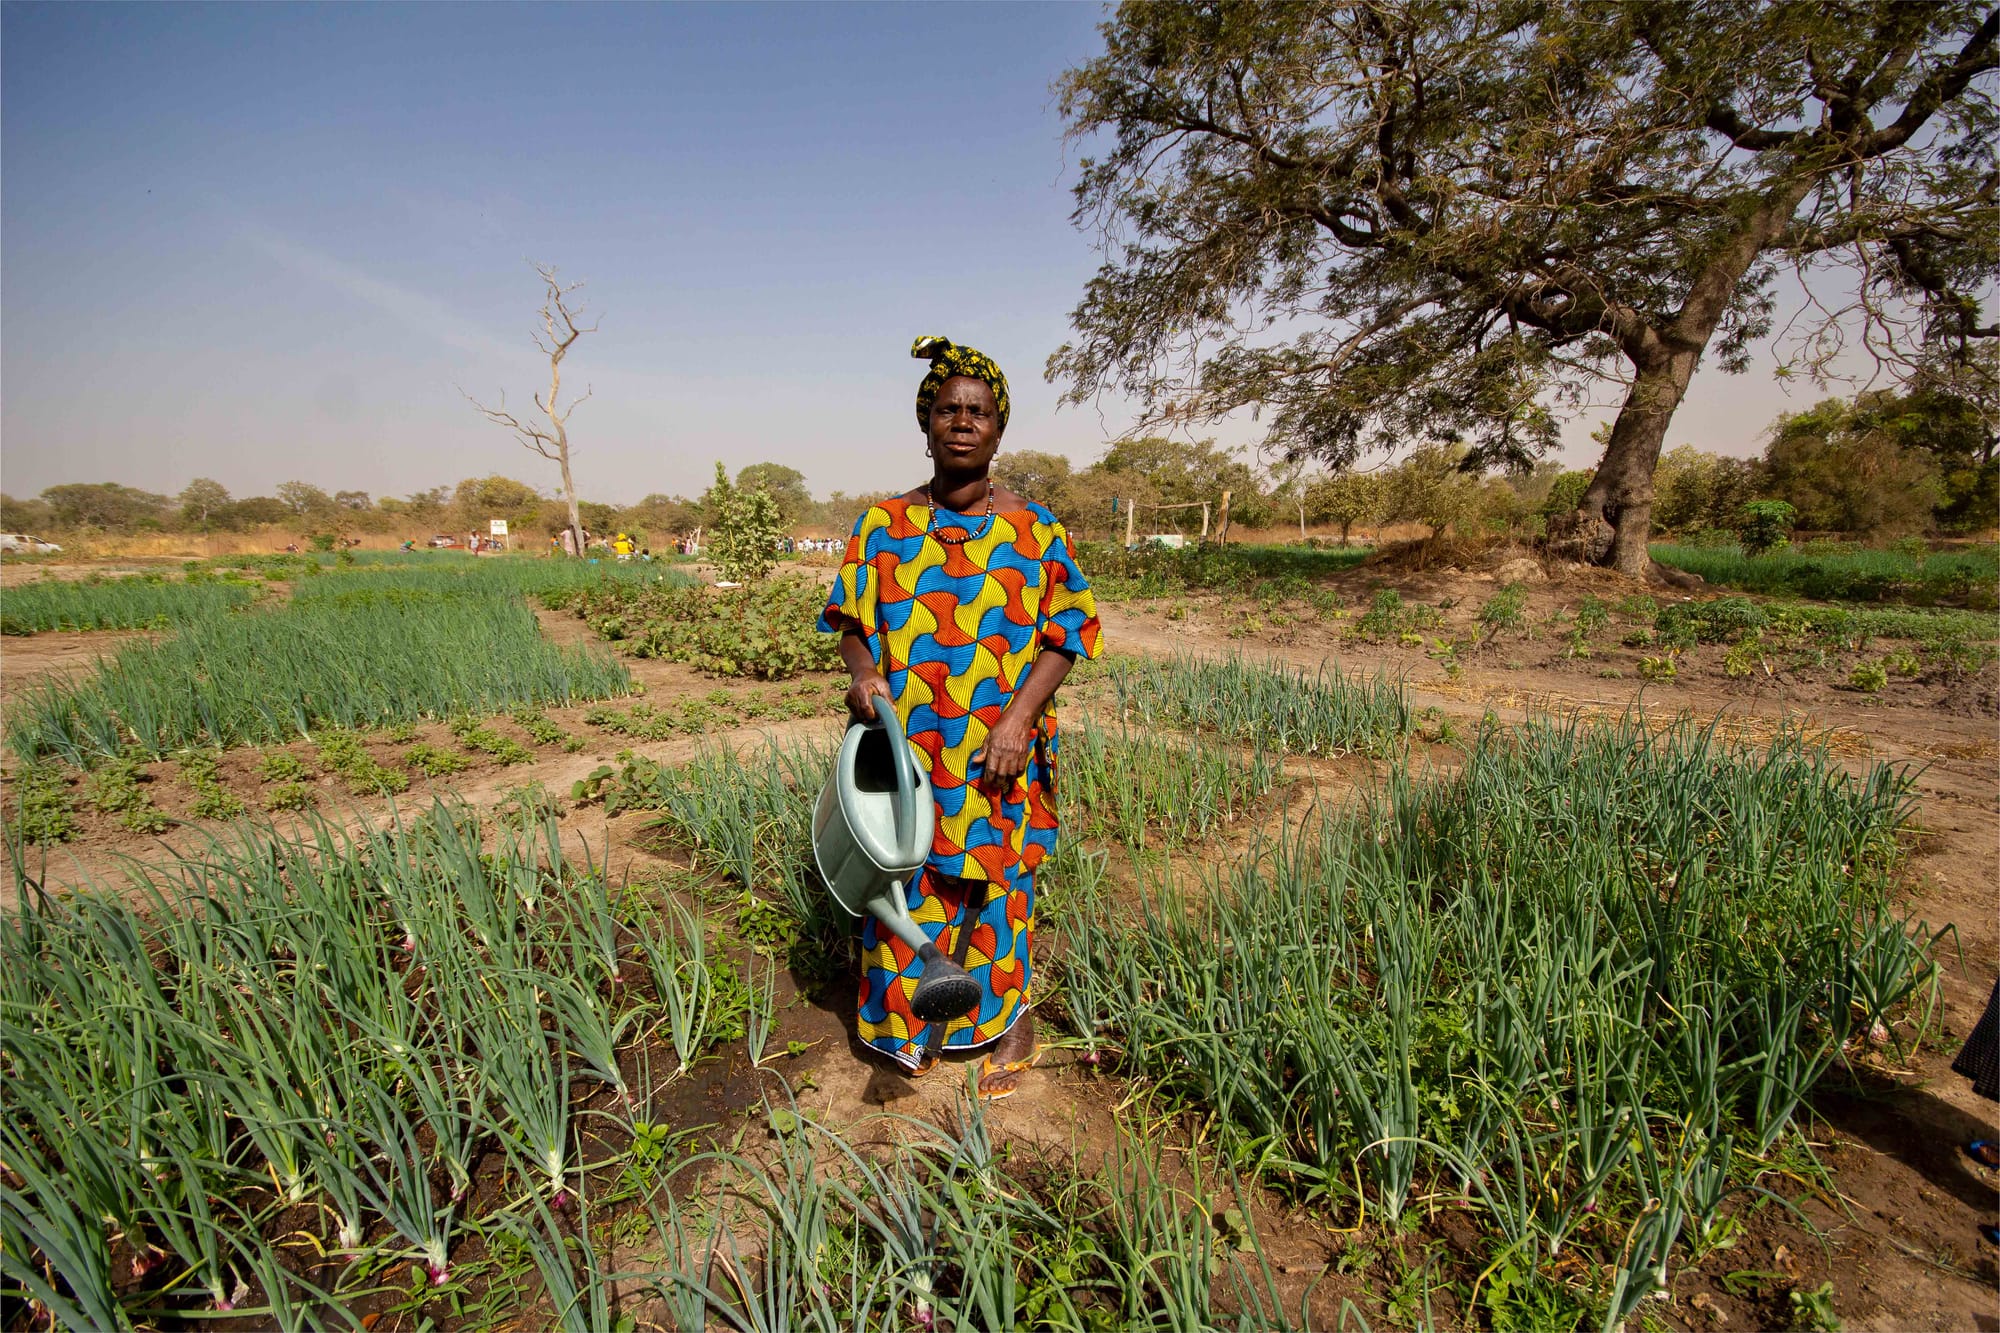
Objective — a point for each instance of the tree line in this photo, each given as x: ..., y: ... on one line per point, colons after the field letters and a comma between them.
x: 1877, y: 465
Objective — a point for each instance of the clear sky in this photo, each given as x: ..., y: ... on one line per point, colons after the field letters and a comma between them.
x: 272, y: 242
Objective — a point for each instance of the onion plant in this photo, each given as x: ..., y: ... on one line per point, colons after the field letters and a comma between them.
x: 1571, y: 975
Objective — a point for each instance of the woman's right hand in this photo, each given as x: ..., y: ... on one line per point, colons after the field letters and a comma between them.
x: 865, y: 685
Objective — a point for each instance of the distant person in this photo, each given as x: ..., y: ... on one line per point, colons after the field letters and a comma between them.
x: 409, y: 544
x: 991, y: 766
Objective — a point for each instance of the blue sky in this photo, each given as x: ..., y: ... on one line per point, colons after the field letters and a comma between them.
x: 261, y: 243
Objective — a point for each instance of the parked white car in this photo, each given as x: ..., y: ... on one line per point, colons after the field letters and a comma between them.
x: 20, y: 543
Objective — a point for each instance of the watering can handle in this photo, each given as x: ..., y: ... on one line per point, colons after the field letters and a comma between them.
x: 906, y: 769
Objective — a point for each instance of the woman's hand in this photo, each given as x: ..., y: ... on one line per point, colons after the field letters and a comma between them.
x: 1005, y: 754
x: 867, y: 684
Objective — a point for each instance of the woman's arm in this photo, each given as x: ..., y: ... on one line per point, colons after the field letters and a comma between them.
x: 1005, y: 754
x: 868, y: 678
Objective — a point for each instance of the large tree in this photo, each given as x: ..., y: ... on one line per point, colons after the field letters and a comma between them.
x: 1392, y: 220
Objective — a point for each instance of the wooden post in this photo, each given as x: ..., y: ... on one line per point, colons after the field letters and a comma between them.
x: 1131, y: 508
x: 1222, y: 528
x: 1204, y: 520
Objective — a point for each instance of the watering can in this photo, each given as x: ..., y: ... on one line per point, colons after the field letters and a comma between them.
x: 872, y: 830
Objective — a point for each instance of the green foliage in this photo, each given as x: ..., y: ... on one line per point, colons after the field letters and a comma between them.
x: 765, y: 630
x: 1723, y: 620
x: 1565, y: 493
x: 1766, y: 527
x: 1151, y: 570
x: 503, y: 749
x: 1583, y: 983
x: 1965, y: 576
x: 281, y: 766
x: 1346, y: 498
x: 43, y: 810
x: 433, y: 761
x: 1658, y: 668
x: 116, y: 787
x: 1267, y: 705
x: 1696, y: 491
x: 1387, y: 232
x: 343, y: 753
x: 1506, y: 609
x: 1869, y: 677
x: 140, y: 602
x: 201, y: 770
x: 540, y: 728
x: 1140, y: 789
x: 744, y: 530
x: 365, y: 647
x: 289, y: 796
x: 1843, y: 470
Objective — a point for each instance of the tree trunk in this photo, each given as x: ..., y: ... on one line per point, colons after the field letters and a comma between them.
x: 569, y: 494
x: 1615, y: 517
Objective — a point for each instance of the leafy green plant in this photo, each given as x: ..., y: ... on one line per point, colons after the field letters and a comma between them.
x: 289, y: 796
x: 764, y: 630
x: 281, y: 766
x: 504, y: 749
x: 44, y: 811
x: 1869, y: 677
x: 1658, y: 667
x: 434, y: 761
x: 1505, y: 610
x: 1766, y: 526
x: 543, y: 731
x: 744, y: 529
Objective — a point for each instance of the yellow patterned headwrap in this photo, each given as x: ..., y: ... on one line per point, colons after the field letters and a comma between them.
x: 947, y: 358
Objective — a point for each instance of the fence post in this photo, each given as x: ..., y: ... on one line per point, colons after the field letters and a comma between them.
x: 1131, y: 507
x: 1222, y: 528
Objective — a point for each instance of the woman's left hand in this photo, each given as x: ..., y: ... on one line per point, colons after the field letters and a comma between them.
x: 1005, y: 754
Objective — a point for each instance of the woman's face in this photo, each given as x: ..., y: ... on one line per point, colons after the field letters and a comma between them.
x: 965, y: 426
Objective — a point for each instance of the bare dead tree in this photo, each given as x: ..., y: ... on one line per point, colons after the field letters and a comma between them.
x: 557, y: 335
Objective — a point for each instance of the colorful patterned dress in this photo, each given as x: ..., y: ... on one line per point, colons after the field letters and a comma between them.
x: 955, y: 629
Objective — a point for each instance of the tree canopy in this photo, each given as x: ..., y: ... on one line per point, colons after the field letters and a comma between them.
x: 1407, y: 220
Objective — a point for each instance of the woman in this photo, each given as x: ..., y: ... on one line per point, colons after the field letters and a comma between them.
x: 959, y: 602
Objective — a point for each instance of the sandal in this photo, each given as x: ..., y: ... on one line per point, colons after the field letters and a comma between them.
x: 1985, y: 1152
x: 987, y: 1069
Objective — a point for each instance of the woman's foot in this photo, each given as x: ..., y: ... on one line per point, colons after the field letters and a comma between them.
x: 1985, y: 1152
x: 1009, y: 1061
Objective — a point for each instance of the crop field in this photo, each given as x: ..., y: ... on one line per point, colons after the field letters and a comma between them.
x: 464, y: 966
x: 1959, y: 578
x: 121, y: 603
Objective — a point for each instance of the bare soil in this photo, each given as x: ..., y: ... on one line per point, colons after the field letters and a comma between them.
x: 1893, y: 1219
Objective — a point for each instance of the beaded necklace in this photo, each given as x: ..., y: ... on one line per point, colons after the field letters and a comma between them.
x: 930, y: 526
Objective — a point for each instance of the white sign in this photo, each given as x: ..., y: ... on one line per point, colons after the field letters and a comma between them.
x: 498, y: 526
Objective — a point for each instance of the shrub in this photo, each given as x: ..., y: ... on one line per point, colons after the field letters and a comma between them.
x: 1869, y: 677
x: 1767, y: 526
